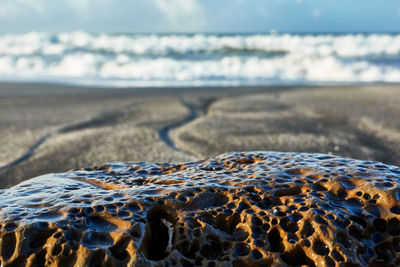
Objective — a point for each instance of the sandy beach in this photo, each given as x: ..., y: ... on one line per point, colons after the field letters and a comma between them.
x: 48, y: 128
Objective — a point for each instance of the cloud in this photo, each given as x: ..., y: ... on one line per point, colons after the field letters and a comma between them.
x: 15, y: 8
x: 181, y: 12
x: 87, y: 7
x: 80, y: 6
x: 10, y: 8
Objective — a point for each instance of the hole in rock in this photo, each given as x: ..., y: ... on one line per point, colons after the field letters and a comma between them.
x: 119, y: 250
x: 56, y: 250
x: 241, y: 249
x: 275, y: 240
x: 227, y: 223
x: 320, y: 247
x: 208, y: 252
x: 39, y: 238
x: 329, y: 262
x: 393, y: 227
x: 256, y: 254
x: 380, y: 225
x: 40, y: 258
x: 385, y: 252
x: 8, y: 245
x: 158, y: 238
x: 189, y: 250
x: 308, y: 230
x: 297, y: 257
x: 337, y: 256
x: 97, y: 258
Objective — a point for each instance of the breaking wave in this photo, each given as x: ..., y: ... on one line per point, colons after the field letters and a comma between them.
x: 199, y: 59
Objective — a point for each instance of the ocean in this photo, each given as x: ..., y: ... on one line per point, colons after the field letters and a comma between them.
x: 117, y: 60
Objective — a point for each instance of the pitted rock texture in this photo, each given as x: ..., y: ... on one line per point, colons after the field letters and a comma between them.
x: 240, y: 209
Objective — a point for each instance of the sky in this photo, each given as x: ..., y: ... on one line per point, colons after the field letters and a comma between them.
x: 18, y: 16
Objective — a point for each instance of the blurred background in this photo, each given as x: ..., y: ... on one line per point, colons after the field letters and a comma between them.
x: 195, y: 43
x: 84, y: 82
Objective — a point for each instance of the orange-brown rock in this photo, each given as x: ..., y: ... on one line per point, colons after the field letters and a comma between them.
x: 240, y: 209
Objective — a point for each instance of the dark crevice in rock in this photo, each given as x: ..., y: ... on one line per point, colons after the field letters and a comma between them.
x: 119, y: 250
x: 275, y: 240
x: 40, y: 258
x: 297, y: 257
x: 8, y: 245
x: 97, y: 258
x: 158, y: 238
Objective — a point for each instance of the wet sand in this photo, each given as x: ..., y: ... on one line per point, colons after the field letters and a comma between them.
x: 47, y: 128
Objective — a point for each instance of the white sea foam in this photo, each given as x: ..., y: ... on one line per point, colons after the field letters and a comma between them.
x: 123, y: 59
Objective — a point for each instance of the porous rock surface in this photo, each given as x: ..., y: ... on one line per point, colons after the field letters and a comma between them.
x: 240, y: 209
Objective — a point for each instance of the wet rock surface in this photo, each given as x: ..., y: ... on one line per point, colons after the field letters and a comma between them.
x: 240, y: 209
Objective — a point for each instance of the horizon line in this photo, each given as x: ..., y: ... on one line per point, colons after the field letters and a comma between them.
x: 268, y: 32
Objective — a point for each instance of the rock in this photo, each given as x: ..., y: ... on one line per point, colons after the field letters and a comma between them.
x: 241, y: 209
